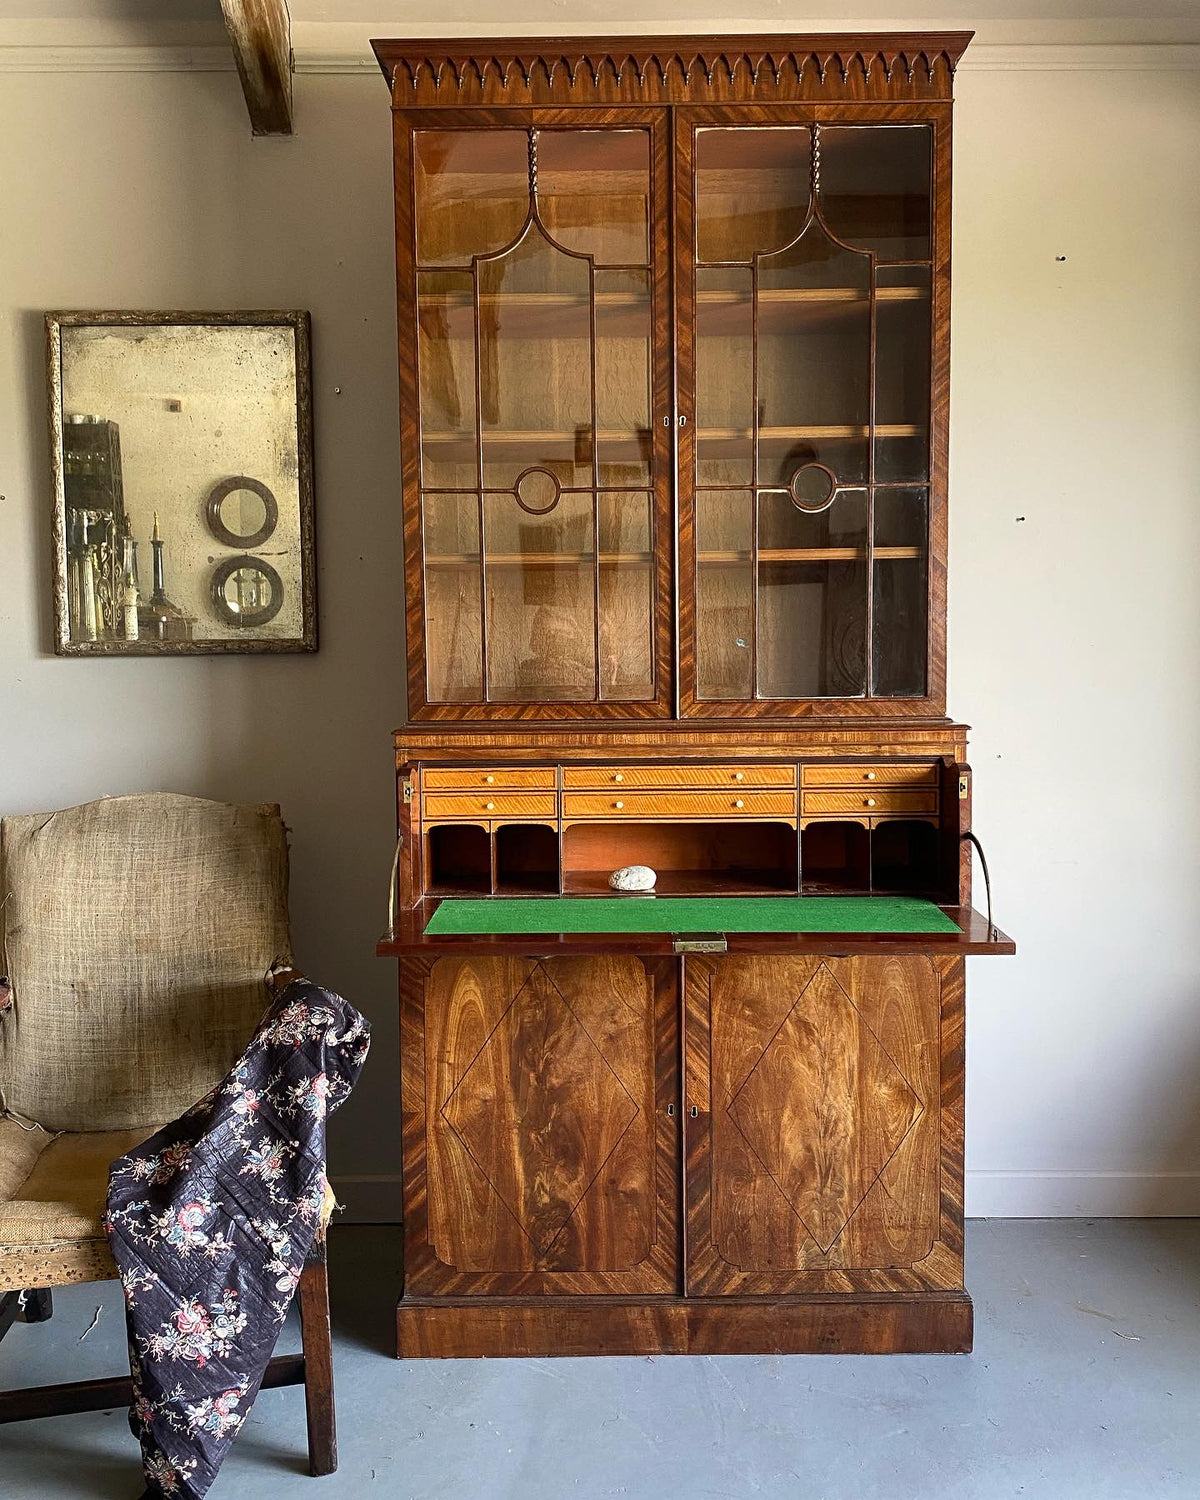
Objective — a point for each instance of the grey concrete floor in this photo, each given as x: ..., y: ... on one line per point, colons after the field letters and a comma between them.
x: 1084, y: 1385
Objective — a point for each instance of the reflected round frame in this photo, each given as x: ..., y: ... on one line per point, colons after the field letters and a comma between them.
x: 221, y: 576
x: 221, y: 492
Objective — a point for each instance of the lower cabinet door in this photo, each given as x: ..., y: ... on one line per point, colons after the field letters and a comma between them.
x: 823, y: 1124
x: 539, y: 1155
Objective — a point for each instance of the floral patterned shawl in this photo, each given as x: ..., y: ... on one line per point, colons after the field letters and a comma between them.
x: 210, y: 1222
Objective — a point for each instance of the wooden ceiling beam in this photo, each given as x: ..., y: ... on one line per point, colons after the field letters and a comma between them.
x: 261, y: 34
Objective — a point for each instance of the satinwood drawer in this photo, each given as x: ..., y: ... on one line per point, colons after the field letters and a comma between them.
x: 435, y: 780
x: 892, y: 775
x: 679, y: 805
x: 494, y: 805
x: 679, y: 777
x: 815, y: 803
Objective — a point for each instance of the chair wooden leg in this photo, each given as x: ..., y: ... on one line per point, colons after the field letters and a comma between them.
x: 33, y: 1306
x: 38, y: 1305
x: 313, y: 1292
x: 10, y: 1306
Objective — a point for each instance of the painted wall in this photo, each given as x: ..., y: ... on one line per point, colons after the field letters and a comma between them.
x: 1074, y: 624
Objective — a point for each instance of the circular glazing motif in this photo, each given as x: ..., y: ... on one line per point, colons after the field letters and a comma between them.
x: 813, y: 486
x: 537, y: 490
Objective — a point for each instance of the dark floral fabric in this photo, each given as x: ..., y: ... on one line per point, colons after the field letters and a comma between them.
x: 210, y: 1222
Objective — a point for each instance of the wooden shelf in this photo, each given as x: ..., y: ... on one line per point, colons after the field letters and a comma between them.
x: 542, y: 435
x: 535, y: 300
x: 790, y: 296
x: 626, y: 314
x: 812, y: 554
x: 828, y: 432
x: 769, y: 297
x: 644, y: 559
x: 537, y: 559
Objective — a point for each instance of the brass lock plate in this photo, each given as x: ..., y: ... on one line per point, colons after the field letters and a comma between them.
x: 701, y: 942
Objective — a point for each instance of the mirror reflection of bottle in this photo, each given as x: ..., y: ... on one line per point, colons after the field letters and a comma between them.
x: 129, y: 563
x: 74, y: 604
x: 87, y: 587
x: 159, y: 594
x: 129, y: 612
x: 130, y: 595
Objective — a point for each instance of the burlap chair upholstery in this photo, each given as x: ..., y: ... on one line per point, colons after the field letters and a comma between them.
x: 138, y: 936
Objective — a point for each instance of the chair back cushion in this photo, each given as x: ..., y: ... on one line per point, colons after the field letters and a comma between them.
x: 138, y: 932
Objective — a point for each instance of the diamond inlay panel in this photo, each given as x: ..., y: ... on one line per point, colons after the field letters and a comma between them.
x: 540, y: 1110
x: 824, y: 1108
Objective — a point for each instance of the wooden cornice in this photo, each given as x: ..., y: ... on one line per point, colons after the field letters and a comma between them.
x: 260, y: 32
x: 891, y: 66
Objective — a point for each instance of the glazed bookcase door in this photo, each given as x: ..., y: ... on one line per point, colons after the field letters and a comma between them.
x: 536, y: 432
x: 812, y: 277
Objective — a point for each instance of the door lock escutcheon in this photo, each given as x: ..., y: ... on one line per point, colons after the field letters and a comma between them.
x: 701, y: 942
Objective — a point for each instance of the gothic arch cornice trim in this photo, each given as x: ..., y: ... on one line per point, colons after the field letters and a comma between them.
x: 675, y: 69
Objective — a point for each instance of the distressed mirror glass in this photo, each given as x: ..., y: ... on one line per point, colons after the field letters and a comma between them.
x: 182, y: 457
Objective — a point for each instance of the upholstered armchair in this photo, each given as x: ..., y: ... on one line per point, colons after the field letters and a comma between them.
x: 142, y: 938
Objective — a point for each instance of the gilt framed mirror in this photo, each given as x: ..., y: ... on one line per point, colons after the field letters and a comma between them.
x: 181, y: 452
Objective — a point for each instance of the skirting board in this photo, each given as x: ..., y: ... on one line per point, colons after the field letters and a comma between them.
x: 1082, y: 1195
x: 990, y: 1195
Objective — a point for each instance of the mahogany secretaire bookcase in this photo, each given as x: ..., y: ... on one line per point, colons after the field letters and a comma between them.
x: 674, y: 336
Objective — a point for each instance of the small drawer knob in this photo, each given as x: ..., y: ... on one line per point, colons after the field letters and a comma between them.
x: 618, y: 805
x: 739, y: 803
x: 489, y: 779
x: 870, y: 802
x: 489, y: 806
x: 618, y: 777
x: 870, y: 775
x: 737, y: 776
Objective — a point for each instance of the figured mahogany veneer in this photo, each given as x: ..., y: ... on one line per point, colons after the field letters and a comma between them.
x: 820, y: 741
x: 845, y: 1323
x: 862, y: 1191
x: 636, y: 634
x: 540, y: 1094
x: 539, y: 1155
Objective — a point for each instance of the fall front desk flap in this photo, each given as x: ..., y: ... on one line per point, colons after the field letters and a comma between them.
x: 681, y: 914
